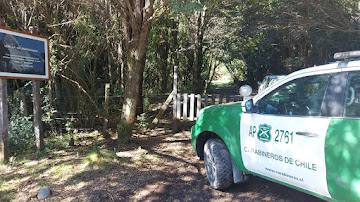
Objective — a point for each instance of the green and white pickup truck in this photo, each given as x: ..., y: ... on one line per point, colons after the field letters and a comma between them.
x: 303, y: 132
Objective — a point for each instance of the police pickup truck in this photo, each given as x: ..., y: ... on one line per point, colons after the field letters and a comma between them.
x: 302, y: 132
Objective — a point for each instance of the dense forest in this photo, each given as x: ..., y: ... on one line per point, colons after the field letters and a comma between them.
x: 133, y: 45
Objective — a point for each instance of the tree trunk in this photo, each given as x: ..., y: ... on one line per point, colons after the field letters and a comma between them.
x: 133, y: 81
x: 198, y: 52
x: 140, y: 107
x: 175, y: 61
x: 22, y: 99
x: 122, y: 67
x: 136, y: 21
x: 163, y: 53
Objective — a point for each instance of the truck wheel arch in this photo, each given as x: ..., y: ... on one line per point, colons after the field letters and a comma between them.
x: 200, y: 142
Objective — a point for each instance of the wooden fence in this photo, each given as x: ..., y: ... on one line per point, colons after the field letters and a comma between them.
x: 188, y: 106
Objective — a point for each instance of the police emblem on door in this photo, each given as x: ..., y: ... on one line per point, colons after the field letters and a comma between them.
x: 264, y: 133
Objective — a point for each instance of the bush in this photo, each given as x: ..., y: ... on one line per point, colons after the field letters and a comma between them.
x: 21, y: 135
x: 142, y: 121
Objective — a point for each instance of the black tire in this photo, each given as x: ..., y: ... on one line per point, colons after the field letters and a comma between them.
x: 218, y: 164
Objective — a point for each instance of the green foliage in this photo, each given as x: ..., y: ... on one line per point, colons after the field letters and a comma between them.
x: 142, y: 121
x: 93, y: 156
x: 9, y: 196
x: 56, y: 141
x: 251, y: 38
x: 21, y: 135
x: 181, y: 6
x: 21, y: 128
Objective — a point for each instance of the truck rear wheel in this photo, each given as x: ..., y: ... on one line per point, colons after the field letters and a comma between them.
x: 218, y: 164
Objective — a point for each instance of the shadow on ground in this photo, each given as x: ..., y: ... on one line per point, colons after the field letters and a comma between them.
x: 156, y: 165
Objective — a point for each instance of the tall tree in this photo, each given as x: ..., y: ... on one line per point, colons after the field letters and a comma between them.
x: 137, y: 17
x: 198, y: 52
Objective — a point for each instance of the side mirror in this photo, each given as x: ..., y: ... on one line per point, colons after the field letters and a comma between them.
x: 245, y: 90
x: 249, y: 106
x: 259, y: 83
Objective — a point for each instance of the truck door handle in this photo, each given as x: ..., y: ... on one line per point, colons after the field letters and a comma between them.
x: 308, y: 134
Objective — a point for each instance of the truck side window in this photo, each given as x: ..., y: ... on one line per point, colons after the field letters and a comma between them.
x: 300, y: 97
x: 352, y: 102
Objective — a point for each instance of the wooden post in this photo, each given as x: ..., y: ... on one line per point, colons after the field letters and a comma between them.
x: 213, y: 99
x: 4, y: 119
x: 227, y: 98
x: 39, y: 133
x: 175, y: 122
x: 185, y: 106
x: 106, y: 105
x: 4, y: 123
x: 192, y: 107
x: 198, y: 104
x: 206, y: 99
x: 175, y: 91
x: 178, y: 106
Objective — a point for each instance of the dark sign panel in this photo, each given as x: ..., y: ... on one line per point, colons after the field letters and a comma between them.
x: 23, y: 56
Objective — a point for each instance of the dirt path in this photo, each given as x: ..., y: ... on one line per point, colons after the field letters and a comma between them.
x: 180, y: 176
x: 157, y: 166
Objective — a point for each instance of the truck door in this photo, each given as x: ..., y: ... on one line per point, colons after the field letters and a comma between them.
x: 283, y: 137
x: 342, y: 151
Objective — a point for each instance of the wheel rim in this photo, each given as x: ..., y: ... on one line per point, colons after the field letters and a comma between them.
x: 210, y: 167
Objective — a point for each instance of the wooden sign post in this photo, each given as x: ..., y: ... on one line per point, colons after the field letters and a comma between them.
x: 4, y: 123
x: 38, y: 129
x: 4, y: 120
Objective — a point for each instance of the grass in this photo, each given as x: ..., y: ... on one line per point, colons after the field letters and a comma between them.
x: 56, y: 166
x: 60, y: 171
x: 61, y: 165
x: 219, y: 84
x: 8, y: 188
x: 7, y: 196
x: 10, y: 184
x: 76, y: 169
x: 223, y: 81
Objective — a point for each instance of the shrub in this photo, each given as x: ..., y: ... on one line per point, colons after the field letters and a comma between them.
x: 21, y: 135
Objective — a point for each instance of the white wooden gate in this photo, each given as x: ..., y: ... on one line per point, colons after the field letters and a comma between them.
x: 187, y: 106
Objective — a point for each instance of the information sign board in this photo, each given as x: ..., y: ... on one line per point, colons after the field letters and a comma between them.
x: 23, y: 55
